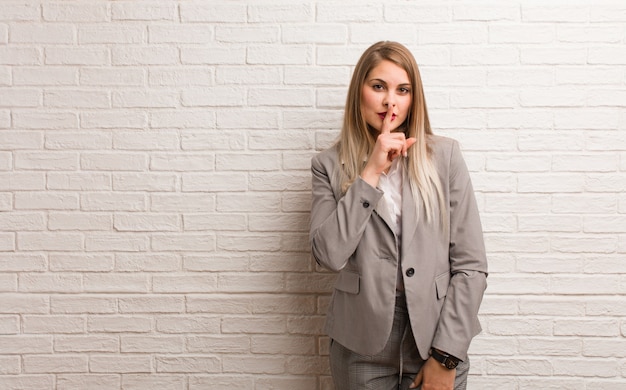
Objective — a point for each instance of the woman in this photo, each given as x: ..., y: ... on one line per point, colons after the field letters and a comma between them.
x: 394, y: 213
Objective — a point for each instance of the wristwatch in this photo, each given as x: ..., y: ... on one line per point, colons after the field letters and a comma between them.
x: 446, y: 360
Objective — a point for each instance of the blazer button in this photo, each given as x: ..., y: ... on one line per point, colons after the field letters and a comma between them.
x: 366, y: 204
x: 410, y: 272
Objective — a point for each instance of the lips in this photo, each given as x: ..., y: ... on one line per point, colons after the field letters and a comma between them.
x: 383, y: 114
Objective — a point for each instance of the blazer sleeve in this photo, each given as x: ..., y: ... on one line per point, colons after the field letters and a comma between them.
x: 458, y: 322
x: 337, y: 225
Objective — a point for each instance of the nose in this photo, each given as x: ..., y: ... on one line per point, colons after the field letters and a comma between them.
x: 389, y: 100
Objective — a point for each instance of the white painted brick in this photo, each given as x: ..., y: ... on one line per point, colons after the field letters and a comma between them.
x: 182, y: 119
x: 153, y: 140
x: 584, y: 203
x: 21, y: 56
x: 128, y: 262
x: 268, y: 181
x: 248, y: 242
x: 187, y: 34
x: 22, y: 221
x: 41, y: 364
x: 248, y: 75
x: 5, y: 119
x: 213, y: 97
x: 280, y: 12
x: 141, y: 222
x: 63, y: 262
x: 77, y: 56
x: 557, y: 141
x: 4, y: 34
x: 47, y: 34
x: 187, y: 202
x: 75, y: 12
x: 10, y: 365
x: 290, y: 345
x: 119, y: 76
x: 155, y: 55
x: 368, y: 33
x: 144, y: 99
x: 276, y: 141
x: 52, y: 282
x: 279, y: 54
x: 17, y: 262
x: 53, y: 324
x: 45, y: 120
x: 349, y: 12
x: 185, y: 363
x: 119, y: 324
x: 586, y: 244
x: 115, y: 283
x: 76, y: 99
x: 486, y: 12
x: 523, y: 33
x: 22, y: 181
x: 610, y: 12
x: 87, y: 381
x: 213, y: 55
x: 549, y: 223
x: 62, y: 76
x: 113, y: 161
x: 601, y: 182
x: 606, y: 55
x: 180, y: 76
x: 252, y: 202
x: 269, y: 34
x: 182, y: 162
x: 112, y: 33
x: 46, y: 201
x: 78, y: 181
x: 194, y: 324
x: 543, y: 76
x: 120, y: 242
x: 13, y: 97
x: 213, y: 12
x: 113, y: 202
x: 114, y: 119
x: 280, y: 97
x: 143, y: 10
x: 214, y: 182
x: 519, y: 366
x: 478, y: 55
x: 184, y: 284
x: 48, y: 161
x: 238, y: 262
x: 315, y: 33
x: 16, y: 11
x: 74, y: 304
x: 247, y: 119
x: 255, y: 364
x: 12, y: 140
x: 246, y: 162
x: 152, y: 304
x: 153, y: 381
x: 186, y: 242
x: 120, y: 363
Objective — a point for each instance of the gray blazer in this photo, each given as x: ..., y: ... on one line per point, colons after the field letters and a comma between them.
x: 444, y: 274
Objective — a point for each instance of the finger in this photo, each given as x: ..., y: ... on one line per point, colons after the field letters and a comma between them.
x: 409, y: 142
x: 386, y: 128
x: 417, y: 381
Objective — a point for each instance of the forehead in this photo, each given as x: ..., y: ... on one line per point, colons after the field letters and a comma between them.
x: 389, y: 72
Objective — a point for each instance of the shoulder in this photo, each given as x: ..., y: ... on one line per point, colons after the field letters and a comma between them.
x: 443, y: 148
x: 326, y: 158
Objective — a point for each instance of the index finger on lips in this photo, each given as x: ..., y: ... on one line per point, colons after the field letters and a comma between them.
x: 386, y: 128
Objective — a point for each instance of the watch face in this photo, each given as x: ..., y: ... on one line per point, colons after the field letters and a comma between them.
x: 450, y: 364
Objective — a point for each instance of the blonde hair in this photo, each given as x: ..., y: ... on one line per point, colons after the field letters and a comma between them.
x: 357, y: 139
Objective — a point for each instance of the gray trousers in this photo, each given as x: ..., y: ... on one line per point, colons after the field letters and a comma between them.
x: 395, y: 367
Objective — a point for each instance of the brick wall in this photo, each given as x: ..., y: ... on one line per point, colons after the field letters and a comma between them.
x: 154, y: 185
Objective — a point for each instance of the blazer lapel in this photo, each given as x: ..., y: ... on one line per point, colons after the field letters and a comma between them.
x: 382, y: 209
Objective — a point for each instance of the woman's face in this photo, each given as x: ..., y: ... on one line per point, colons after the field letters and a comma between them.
x: 386, y: 85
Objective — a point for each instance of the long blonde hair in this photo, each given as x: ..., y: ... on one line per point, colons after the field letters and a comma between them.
x: 357, y: 140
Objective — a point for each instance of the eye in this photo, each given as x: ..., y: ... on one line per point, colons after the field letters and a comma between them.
x: 378, y: 87
x: 405, y: 90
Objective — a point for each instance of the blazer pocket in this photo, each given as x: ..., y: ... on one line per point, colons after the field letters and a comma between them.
x: 348, y: 281
x: 441, y: 285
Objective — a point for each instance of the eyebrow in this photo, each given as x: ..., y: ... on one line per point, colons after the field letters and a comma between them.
x: 384, y: 82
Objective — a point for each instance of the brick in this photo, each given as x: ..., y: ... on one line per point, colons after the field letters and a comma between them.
x: 213, y: 97
x: 111, y: 33
x: 472, y: 55
x: 144, y: 99
x: 144, y: 55
x: 180, y: 76
x: 9, y: 365
x: 442, y: 34
x: 113, y: 202
x: 119, y: 324
x: 87, y: 381
x: 53, y: 324
x: 211, y: 222
x: 197, y: 324
x: 77, y: 56
x: 212, y: 12
x: 219, y: 344
x: 183, y: 242
x: 126, y: 76
x: 22, y: 222
x: 243, y: 282
x: 82, y: 304
x: 254, y: 364
x: 280, y: 344
x: 114, y: 119
x: 182, y: 119
x: 351, y: 12
x: 26, y: 344
x: 75, y: 12
x: 185, y: 33
x: 315, y: 33
x: 7, y: 243
x: 31, y: 241
x: 19, y: 97
x: 153, y: 140
x: 115, y: 161
x: 188, y: 202
x: 48, y: 161
x: 128, y: 262
x: 269, y: 34
x: 120, y: 364
x: 21, y: 56
x: 46, y: 34
x: 152, y: 344
x: 401, y: 32
x: 279, y: 54
x: 181, y: 162
x: 519, y: 366
x: 50, y: 282
x: 188, y: 364
x: 213, y: 56
x: 486, y: 13
x: 115, y: 283
x: 120, y: 242
x: 143, y: 10
x: 45, y: 120
x: 76, y: 99
x: 287, y: 12
x: 152, y: 304
x: 16, y: 11
x: 38, y: 76
x: 184, y: 284
x: 151, y: 381
x: 214, y: 263
x: 144, y: 182
x: 60, y: 262
x: 79, y: 181
x: 214, y: 182
x: 78, y: 140
x: 146, y: 222
x: 46, y: 201
x: 41, y: 364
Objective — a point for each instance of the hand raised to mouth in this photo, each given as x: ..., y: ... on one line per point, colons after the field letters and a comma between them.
x: 387, y: 148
